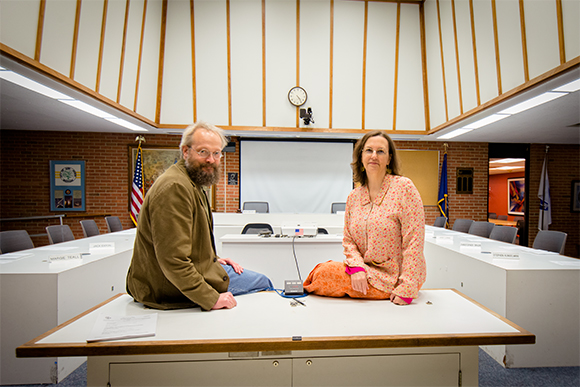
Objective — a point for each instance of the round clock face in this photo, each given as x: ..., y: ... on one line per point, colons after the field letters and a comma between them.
x: 297, y: 96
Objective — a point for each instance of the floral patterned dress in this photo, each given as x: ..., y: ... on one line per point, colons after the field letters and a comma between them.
x: 386, y: 237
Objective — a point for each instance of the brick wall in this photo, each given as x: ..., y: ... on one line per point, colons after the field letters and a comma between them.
x: 563, y: 168
x: 25, y: 187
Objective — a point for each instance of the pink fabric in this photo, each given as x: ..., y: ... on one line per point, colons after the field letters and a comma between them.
x: 351, y: 270
x: 386, y: 237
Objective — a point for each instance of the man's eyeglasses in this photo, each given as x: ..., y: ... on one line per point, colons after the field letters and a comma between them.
x: 204, y: 153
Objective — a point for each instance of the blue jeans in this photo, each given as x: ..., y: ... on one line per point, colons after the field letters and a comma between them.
x: 247, y: 282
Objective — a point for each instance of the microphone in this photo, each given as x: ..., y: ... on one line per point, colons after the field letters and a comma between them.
x: 294, y: 287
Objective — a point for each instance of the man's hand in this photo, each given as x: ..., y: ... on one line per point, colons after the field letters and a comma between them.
x: 226, y: 301
x: 226, y: 261
x: 359, y: 282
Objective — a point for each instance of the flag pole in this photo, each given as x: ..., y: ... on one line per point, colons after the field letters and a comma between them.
x: 544, y: 172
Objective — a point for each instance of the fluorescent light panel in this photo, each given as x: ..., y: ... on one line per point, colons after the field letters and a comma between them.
x: 32, y: 85
x: 569, y: 87
x: 48, y: 92
x: 532, y: 102
x: 486, y: 121
x: 455, y: 133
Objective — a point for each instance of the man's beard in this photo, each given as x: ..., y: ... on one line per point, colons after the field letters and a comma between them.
x: 199, y: 176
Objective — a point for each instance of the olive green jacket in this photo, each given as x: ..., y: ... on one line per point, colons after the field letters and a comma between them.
x: 174, y: 263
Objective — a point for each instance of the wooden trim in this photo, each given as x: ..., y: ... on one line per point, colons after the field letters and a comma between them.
x: 294, y: 129
x: 33, y: 349
x: 474, y: 42
x: 229, y: 59
x: 140, y: 60
x: 101, y: 45
x: 524, y: 41
x: 331, y: 65
x: 297, y: 57
x: 496, y: 41
x: 264, y: 63
x: 193, y: 73
x: 561, y: 39
x: 570, y: 65
x: 442, y: 61
x: 39, y: 30
x: 73, y: 57
x: 424, y: 66
x: 161, y: 61
x: 396, y: 80
x: 123, y: 50
x: 23, y: 59
x: 364, y: 63
x: 459, y: 89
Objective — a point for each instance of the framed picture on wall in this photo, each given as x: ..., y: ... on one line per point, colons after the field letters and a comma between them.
x: 155, y: 160
x: 575, y: 202
x: 516, y: 196
x: 67, y: 185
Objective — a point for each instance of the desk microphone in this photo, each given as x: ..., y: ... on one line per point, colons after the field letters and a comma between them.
x: 294, y: 287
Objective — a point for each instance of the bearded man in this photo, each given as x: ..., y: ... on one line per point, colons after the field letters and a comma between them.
x: 174, y: 263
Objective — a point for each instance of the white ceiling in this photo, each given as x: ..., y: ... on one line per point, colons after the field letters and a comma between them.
x: 556, y: 122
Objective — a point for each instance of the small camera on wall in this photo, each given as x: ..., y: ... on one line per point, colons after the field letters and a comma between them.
x: 306, y: 115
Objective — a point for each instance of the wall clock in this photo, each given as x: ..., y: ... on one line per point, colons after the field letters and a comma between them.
x: 297, y: 96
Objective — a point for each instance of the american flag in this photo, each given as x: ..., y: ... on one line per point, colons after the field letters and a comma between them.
x: 137, y: 191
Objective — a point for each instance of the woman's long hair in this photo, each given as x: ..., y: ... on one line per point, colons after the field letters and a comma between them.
x: 359, y: 175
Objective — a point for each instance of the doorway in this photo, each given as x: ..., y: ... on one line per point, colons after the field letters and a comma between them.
x: 508, y: 196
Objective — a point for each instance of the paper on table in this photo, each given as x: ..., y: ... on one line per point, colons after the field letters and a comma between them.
x: 109, y: 327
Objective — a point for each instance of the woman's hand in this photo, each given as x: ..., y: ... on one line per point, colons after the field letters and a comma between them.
x: 226, y: 261
x: 359, y: 282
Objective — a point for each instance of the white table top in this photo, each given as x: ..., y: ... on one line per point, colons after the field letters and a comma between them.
x: 36, y: 261
x: 438, y: 317
x: 254, y: 238
x: 528, y: 258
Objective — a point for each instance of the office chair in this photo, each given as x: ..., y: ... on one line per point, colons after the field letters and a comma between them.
x: 335, y: 207
x: 502, y: 217
x: 551, y: 241
x: 59, y: 233
x: 462, y: 225
x: 113, y: 223
x: 440, y: 221
x: 260, y: 207
x: 482, y: 229
x: 257, y: 228
x: 504, y: 234
x: 89, y: 227
x: 491, y: 215
x: 15, y: 240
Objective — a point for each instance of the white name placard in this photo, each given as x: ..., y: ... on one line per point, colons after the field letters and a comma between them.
x: 444, y: 239
x: 429, y: 234
x: 64, y: 257
x: 105, y: 247
x: 501, y: 255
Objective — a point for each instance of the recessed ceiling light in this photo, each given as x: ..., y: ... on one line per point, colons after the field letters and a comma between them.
x: 486, y: 121
x: 455, y: 133
x: 532, y: 102
x: 569, y: 87
x: 32, y: 85
x: 87, y: 108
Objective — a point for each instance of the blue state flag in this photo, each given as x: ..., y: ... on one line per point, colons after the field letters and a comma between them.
x: 443, y: 198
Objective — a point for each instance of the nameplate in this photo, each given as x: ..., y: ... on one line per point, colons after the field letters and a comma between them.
x: 64, y: 257
x: 500, y: 255
x: 248, y: 211
x: 103, y: 248
x: 470, y: 246
x: 429, y: 234
x: 444, y: 239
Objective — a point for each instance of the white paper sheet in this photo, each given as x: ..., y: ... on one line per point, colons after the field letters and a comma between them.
x: 109, y: 327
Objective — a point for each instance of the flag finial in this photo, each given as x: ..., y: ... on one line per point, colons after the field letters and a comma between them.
x: 140, y: 139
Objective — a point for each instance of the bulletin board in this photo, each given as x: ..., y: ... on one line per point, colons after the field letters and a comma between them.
x: 422, y: 167
x: 67, y: 185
